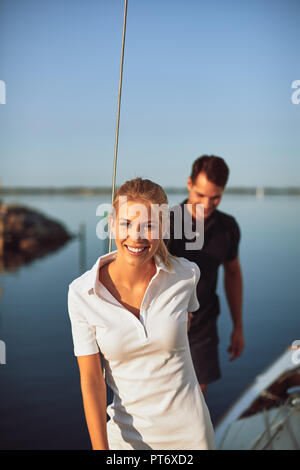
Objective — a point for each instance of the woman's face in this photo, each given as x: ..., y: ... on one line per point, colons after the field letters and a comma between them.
x: 137, y: 232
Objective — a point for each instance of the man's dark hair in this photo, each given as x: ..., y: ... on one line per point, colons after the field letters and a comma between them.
x: 214, y: 167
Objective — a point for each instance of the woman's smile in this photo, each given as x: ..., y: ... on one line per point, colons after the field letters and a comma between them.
x: 136, y: 251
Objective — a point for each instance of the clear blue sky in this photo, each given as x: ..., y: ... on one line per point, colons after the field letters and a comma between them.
x: 199, y: 77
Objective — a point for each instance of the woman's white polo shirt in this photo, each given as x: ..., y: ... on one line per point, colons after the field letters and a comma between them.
x: 157, y: 403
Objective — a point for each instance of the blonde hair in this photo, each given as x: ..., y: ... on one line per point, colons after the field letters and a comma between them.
x: 148, y: 191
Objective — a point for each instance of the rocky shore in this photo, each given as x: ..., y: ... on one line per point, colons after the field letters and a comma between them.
x: 26, y: 233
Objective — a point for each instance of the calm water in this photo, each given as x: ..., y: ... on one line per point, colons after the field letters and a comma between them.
x: 40, y: 405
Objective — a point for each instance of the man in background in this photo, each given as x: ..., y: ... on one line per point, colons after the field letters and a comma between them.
x: 221, y: 240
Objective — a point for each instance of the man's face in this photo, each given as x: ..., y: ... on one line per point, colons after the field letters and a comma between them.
x: 204, y: 192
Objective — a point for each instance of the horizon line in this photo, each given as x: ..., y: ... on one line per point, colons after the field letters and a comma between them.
x: 90, y: 190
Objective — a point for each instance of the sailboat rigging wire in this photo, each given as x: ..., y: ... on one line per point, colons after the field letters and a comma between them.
x: 118, y: 115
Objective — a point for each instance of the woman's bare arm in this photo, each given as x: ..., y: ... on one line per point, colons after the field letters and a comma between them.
x: 94, y: 399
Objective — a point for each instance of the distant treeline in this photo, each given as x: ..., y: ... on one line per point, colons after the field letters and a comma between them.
x: 89, y: 191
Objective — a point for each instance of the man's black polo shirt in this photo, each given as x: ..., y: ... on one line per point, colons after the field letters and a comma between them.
x: 221, y: 239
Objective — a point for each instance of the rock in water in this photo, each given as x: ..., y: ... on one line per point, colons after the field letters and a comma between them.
x: 27, y: 233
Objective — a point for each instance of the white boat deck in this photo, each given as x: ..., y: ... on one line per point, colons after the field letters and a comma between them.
x: 275, y: 429
x: 234, y: 433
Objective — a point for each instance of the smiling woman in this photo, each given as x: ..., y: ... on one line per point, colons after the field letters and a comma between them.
x: 141, y: 207
x: 132, y: 307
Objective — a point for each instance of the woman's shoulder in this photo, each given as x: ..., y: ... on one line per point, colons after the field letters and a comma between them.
x: 182, y: 265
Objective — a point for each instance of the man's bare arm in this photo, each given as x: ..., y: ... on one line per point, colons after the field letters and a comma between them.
x: 233, y: 284
x: 190, y: 317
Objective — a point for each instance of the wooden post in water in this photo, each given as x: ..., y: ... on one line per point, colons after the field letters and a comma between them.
x: 82, y: 247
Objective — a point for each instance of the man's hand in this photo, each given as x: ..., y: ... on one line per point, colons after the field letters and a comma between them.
x: 237, y: 343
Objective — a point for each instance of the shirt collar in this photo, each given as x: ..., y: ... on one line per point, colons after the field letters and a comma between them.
x: 92, y: 275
